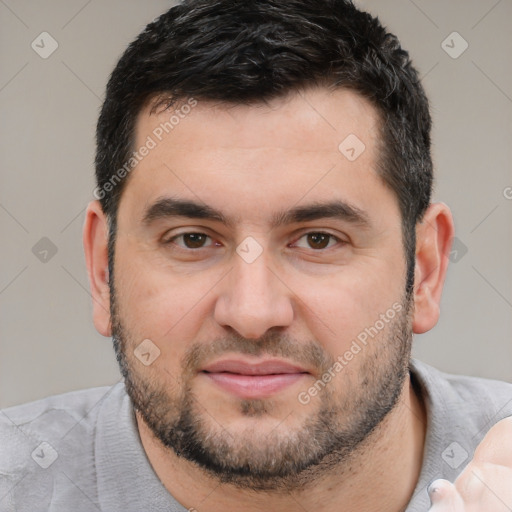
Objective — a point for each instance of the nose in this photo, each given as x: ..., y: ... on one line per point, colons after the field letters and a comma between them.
x: 253, y: 299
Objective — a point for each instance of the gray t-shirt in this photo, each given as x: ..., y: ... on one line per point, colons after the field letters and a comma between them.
x: 81, y: 451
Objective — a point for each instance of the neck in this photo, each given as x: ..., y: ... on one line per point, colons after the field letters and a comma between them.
x: 388, y: 464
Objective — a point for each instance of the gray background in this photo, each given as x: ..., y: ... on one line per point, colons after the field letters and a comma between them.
x: 48, y: 111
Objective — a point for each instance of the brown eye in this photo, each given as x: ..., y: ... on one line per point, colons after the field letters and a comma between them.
x: 194, y: 240
x: 190, y: 240
x: 317, y: 241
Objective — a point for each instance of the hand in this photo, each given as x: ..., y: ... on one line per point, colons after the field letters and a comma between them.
x: 485, y: 485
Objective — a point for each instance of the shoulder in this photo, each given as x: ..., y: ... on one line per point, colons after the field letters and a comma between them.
x: 75, y: 403
x: 470, y: 399
x: 462, y: 386
x: 52, y: 432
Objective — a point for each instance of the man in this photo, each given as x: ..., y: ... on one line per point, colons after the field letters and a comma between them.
x: 262, y: 250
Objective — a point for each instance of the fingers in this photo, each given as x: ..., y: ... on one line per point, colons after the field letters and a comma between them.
x: 444, y: 497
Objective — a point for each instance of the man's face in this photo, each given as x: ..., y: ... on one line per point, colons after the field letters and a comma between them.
x: 251, y: 308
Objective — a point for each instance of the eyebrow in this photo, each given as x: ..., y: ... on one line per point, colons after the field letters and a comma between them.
x: 169, y: 207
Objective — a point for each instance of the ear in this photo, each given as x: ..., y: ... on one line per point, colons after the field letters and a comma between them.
x: 434, y: 237
x: 95, y: 240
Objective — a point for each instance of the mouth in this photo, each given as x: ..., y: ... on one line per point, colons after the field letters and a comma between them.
x: 253, y: 380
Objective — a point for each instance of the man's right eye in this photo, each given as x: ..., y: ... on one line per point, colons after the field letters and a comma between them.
x: 190, y: 240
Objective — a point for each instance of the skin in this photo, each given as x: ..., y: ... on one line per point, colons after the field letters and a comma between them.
x: 249, y: 162
x: 484, y: 485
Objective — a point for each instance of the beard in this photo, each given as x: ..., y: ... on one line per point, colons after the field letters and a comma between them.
x: 339, y: 425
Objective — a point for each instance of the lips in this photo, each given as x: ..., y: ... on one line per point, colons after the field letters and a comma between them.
x: 268, y: 367
x: 258, y: 379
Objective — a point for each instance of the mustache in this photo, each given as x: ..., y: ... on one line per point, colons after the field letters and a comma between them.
x: 273, y: 344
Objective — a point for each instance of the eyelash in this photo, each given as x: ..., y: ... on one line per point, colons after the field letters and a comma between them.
x: 188, y: 249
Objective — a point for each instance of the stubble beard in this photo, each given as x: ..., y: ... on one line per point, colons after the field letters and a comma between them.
x: 283, y: 459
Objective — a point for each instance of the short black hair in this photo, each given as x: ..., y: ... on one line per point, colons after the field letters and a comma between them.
x: 250, y: 51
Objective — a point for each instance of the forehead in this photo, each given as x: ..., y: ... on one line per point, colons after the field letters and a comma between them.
x: 314, y: 142
x: 314, y: 118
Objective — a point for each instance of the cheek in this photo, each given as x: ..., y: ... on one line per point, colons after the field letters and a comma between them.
x: 343, y: 305
x: 171, y: 306
x: 157, y: 304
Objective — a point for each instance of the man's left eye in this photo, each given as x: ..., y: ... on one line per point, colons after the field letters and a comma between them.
x: 318, y: 240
